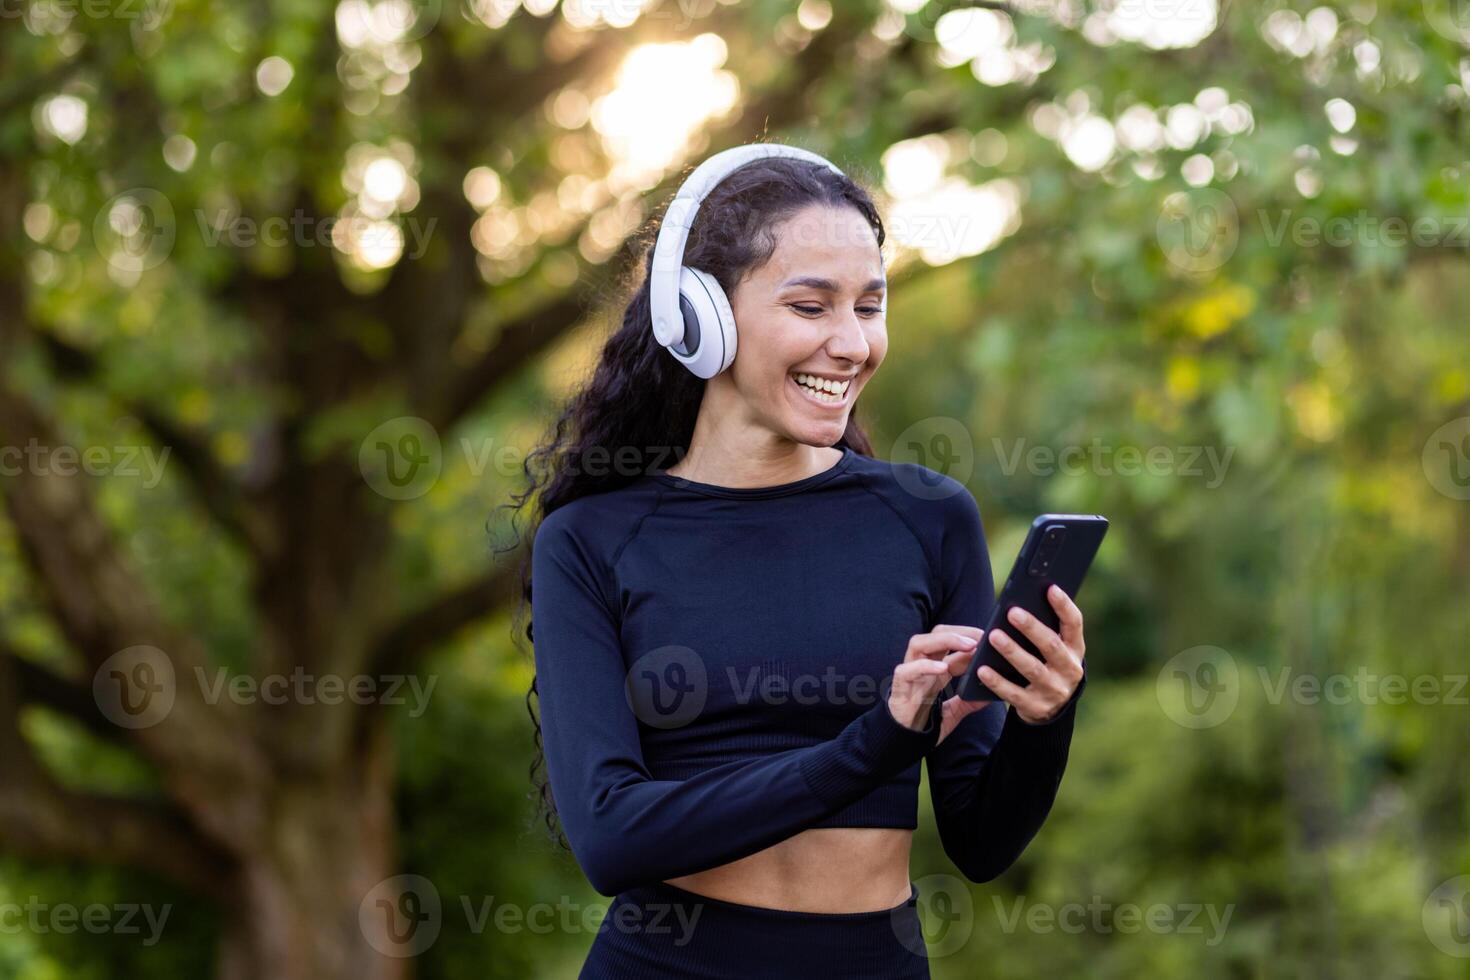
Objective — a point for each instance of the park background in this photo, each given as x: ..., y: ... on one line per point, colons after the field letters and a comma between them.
x: 1197, y: 266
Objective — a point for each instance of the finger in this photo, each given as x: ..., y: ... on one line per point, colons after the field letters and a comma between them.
x: 1030, y: 668
x: 1013, y: 694
x: 921, y: 670
x: 962, y: 707
x: 973, y: 632
x: 1037, y: 632
x: 956, y: 710
x: 1071, y: 618
x: 936, y: 644
x: 959, y: 662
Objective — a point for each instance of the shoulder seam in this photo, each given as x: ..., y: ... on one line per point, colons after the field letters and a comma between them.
x: 617, y: 554
x: 934, y: 577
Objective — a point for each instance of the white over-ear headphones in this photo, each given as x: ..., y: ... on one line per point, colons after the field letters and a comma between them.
x: 691, y: 314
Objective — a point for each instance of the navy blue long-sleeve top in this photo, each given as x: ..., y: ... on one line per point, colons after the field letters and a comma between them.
x: 713, y: 665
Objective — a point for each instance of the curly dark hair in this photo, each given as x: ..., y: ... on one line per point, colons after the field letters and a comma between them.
x: 639, y: 397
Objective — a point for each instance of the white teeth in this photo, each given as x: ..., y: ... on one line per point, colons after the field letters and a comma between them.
x: 834, y: 390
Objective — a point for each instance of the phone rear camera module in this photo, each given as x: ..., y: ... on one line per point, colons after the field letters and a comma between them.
x: 1051, y: 543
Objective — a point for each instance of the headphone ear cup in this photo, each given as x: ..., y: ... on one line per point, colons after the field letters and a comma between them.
x: 709, y: 324
x: 725, y: 317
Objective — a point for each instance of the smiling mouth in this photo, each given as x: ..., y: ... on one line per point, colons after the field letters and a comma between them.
x: 824, y: 391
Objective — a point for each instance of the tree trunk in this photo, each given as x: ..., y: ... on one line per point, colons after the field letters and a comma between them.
x: 318, y: 901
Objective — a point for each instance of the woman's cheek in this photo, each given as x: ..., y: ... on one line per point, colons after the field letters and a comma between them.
x: 877, y: 344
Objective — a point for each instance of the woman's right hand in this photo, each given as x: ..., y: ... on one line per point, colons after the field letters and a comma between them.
x: 928, y: 664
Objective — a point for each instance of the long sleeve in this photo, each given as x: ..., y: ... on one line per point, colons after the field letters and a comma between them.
x: 994, y: 778
x: 627, y: 828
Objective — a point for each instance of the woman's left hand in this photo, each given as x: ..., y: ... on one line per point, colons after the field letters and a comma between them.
x: 1052, y: 683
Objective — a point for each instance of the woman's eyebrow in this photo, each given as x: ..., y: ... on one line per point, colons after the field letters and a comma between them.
x: 827, y: 285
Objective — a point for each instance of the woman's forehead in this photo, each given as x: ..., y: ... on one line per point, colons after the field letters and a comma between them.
x: 829, y: 247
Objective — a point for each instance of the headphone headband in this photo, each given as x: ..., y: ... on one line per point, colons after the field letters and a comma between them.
x: 673, y: 232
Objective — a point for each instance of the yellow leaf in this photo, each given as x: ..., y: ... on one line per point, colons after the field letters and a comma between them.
x: 1182, y: 377
x: 1317, y: 414
x: 231, y: 447
x: 1218, y: 310
x: 1452, y: 385
x: 195, y: 406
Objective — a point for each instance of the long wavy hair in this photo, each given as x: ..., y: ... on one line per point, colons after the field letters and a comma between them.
x: 639, y: 396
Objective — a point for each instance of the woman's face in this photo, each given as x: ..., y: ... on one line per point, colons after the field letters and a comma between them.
x: 815, y: 310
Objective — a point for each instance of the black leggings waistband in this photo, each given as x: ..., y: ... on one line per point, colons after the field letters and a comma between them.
x: 661, y: 930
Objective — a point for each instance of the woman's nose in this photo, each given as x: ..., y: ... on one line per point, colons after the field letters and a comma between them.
x: 849, y: 342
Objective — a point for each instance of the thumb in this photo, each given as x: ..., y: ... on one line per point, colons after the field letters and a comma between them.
x: 962, y: 708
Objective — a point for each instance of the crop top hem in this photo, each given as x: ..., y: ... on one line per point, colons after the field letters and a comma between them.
x: 875, y: 744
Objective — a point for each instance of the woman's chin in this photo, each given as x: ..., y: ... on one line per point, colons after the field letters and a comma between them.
x: 817, y: 433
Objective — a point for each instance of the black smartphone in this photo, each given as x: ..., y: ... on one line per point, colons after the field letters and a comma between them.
x: 1058, y: 550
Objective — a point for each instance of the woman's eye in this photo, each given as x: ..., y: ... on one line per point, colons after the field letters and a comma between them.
x: 814, y: 310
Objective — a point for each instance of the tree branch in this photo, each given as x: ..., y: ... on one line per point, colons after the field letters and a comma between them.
x: 37, y: 685
x: 100, y: 607
x: 420, y: 631
x: 220, y: 497
x: 41, y: 819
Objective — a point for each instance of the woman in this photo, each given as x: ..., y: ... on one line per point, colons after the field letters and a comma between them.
x: 745, y: 627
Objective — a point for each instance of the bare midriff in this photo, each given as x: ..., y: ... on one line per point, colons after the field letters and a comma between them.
x: 825, y: 869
